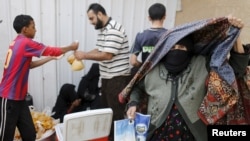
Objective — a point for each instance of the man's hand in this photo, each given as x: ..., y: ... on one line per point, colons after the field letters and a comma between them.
x: 80, y: 55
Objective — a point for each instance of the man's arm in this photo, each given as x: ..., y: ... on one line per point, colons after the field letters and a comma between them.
x: 93, y: 55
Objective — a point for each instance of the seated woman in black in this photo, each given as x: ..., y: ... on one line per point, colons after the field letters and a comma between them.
x: 66, y: 101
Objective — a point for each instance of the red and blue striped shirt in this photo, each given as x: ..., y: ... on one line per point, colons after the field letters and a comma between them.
x: 14, y: 84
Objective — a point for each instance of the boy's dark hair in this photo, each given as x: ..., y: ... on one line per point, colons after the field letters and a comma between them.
x: 96, y: 8
x: 157, y: 11
x: 21, y: 21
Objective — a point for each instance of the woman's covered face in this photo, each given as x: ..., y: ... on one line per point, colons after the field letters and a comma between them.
x: 179, y: 56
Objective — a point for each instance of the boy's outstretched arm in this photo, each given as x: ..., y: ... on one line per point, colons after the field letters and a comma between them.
x: 40, y: 62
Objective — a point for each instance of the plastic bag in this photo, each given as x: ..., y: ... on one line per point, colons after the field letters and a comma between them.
x: 141, y: 126
x: 124, y: 130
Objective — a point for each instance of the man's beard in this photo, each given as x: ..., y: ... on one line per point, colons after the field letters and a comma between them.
x: 99, y: 24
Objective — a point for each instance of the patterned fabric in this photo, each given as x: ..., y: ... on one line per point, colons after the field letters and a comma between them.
x: 226, y: 105
x: 213, y: 37
x: 220, y: 98
x: 239, y: 114
x: 173, y: 129
x: 244, y: 86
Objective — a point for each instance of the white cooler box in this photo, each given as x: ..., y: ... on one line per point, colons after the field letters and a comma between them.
x: 85, y: 126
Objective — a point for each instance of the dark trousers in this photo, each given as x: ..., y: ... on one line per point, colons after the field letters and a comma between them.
x: 109, y: 98
x: 16, y: 114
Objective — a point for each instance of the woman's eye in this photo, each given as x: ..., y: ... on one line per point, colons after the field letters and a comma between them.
x: 182, y: 47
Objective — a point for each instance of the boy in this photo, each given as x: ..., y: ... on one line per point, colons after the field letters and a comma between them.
x: 13, y: 87
x: 146, y: 40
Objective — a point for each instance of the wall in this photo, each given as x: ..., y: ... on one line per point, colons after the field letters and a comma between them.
x: 199, y: 9
x: 59, y: 22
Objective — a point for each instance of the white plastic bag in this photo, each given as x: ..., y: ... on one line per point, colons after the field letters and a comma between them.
x: 124, y: 130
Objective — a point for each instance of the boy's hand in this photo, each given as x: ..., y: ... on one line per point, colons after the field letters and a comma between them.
x: 75, y: 45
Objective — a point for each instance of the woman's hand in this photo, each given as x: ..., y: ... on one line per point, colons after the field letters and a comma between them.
x: 237, y: 22
x: 131, y: 112
x: 76, y: 102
